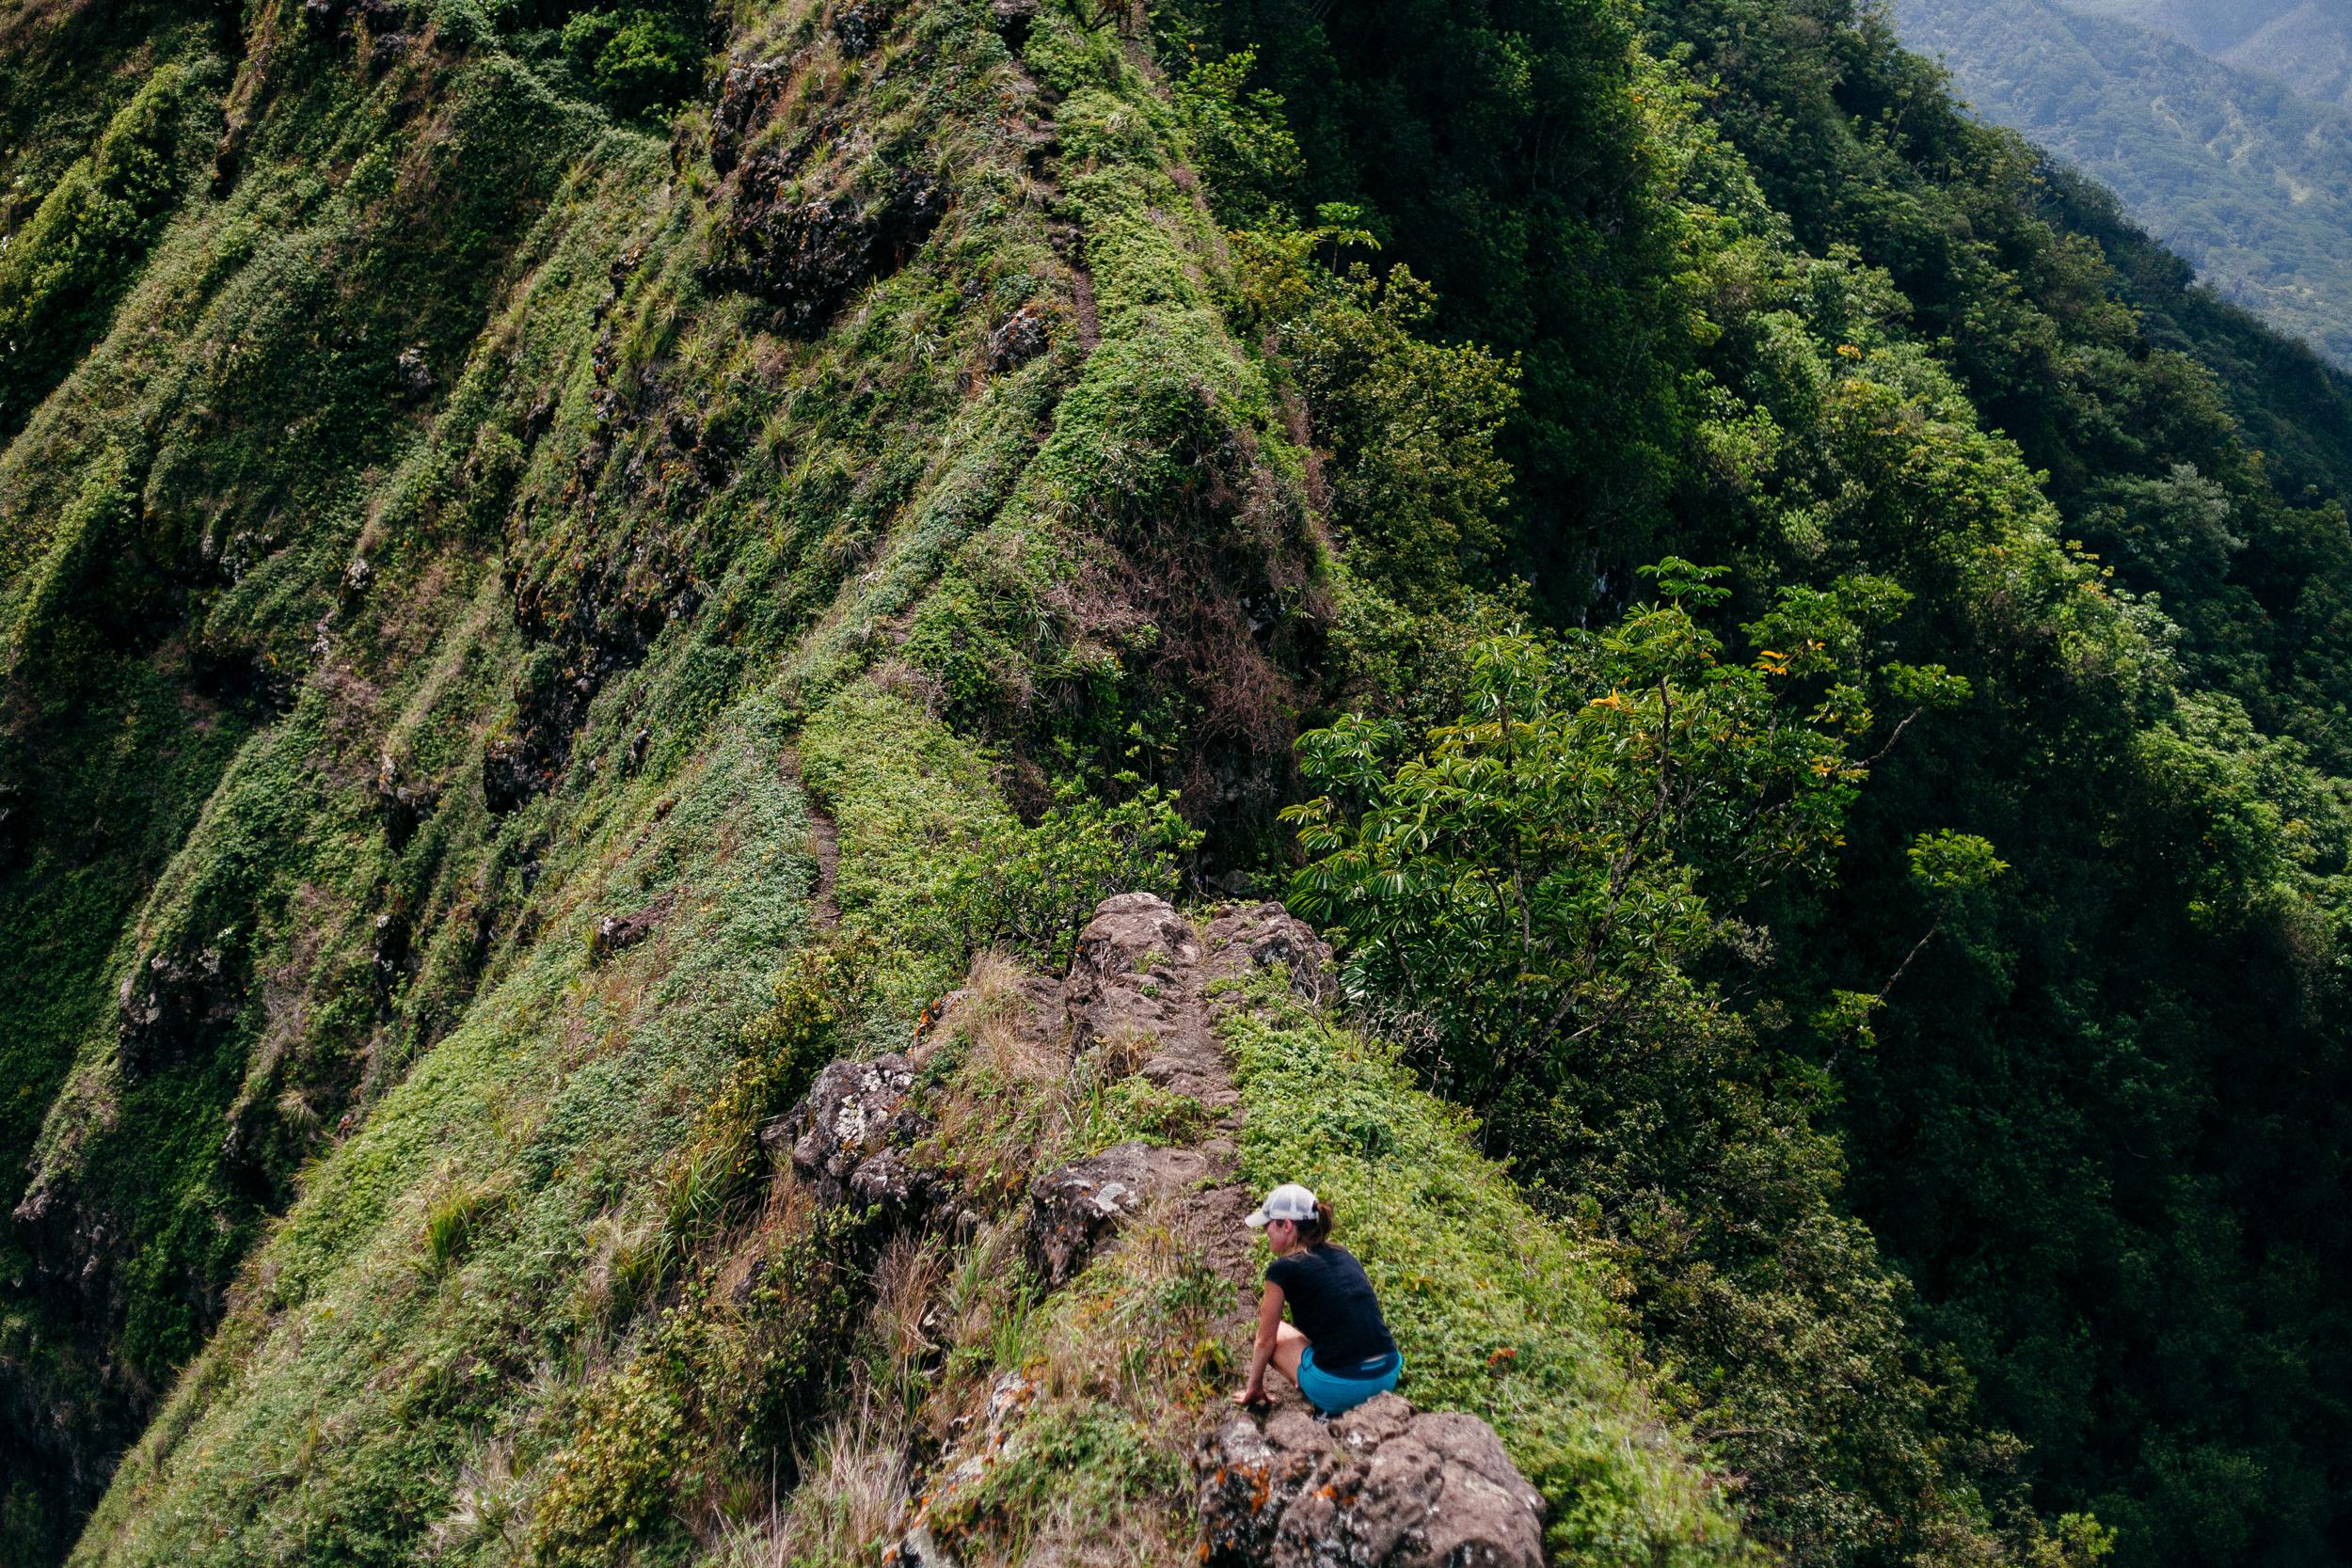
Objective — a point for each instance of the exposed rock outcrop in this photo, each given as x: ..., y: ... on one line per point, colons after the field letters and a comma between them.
x: 1246, y: 938
x: 848, y: 1138
x: 1136, y: 987
x: 618, y: 933
x: 1121, y: 980
x: 169, y: 1009
x: 1013, y: 18
x: 963, y: 1469
x: 404, y: 803
x: 807, y: 255
x: 1381, y: 1486
x: 1073, y: 1209
x: 747, y: 94
x: 859, y: 25
x: 1025, y: 334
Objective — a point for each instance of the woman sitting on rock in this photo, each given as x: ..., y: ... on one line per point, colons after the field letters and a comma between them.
x: 1339, y: 1353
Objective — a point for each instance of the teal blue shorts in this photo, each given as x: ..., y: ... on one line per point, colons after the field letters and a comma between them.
x: 1331, y: 1394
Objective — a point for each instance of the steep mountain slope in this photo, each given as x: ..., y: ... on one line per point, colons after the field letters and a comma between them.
x: 1021, y: 1244
x: 561, y: 569
x: 2249, y: 181
x: 346, y: 572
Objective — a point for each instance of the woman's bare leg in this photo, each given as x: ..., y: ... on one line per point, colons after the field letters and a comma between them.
x: 1287, y: 1343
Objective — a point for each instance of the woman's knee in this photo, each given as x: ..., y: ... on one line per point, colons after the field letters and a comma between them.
x: 1286, y: 1335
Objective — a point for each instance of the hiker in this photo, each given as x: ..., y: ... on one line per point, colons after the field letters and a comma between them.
x: 1335, y: 1347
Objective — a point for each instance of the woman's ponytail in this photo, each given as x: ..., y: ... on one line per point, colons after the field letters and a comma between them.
x: 1314, y: 1232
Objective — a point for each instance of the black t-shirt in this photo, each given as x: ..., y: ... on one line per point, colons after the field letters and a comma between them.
x: 1332, y: 1304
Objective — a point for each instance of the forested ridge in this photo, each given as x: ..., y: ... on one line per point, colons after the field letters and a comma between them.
x: 2305, y: 43
x: 563, y: 566
x: 2221, y: 129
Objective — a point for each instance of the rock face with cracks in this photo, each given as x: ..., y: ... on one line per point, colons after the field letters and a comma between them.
x: 166, y: 1011
x: 1247, y: 938
x: 847, y: 1139
x: 1381, y: 1486
x: 1136, y: 989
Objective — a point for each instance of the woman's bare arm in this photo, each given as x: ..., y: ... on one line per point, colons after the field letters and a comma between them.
x: 1262, y: 1351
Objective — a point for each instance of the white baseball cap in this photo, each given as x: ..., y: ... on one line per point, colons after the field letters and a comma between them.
x: 1289, y: 1201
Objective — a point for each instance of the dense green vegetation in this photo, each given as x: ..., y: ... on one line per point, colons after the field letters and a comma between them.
x: 2249, y: 179
x: 560, y: 567
x: 2035, y: 1119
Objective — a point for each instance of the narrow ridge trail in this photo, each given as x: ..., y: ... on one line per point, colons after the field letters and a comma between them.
x: 1144, y: 999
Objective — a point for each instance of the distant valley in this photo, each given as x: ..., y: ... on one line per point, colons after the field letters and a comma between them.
x: 2221, y: 124
x: 2305, y: 43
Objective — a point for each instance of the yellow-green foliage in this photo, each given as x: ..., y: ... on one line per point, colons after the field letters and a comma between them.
x: 721, y: 1380
x: 449, y: 1228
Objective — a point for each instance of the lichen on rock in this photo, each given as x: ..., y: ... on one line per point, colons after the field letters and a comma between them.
x: 1381, y: 1486
x: 848, y: 1139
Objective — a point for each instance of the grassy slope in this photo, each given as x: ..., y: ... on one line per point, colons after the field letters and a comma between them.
x: 1497, y: 1311
x: 155, y: 593
x: 598, y: 474
x: 247, y: 377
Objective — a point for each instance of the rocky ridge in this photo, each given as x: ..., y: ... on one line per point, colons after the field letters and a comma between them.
x: 1383, y: 1486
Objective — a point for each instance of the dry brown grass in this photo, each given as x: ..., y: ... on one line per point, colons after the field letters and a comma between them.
x: 1008, y: 1089
x: 620, y: 1249
x: 486, y: 1507
x: 851, y: 1494
x: 907, y: 1279
x: 854, y: 1478
x: 1146, y: 1328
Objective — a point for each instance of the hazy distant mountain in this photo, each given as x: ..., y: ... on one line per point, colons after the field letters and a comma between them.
x: 2306, y: 43
x: 2245, y: 173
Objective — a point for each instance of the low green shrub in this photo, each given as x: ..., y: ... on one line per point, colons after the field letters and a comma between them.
x: 640, y: 62
x: 1084, y: 1459
x: 1136, y: 1109
x: 449, y: 1228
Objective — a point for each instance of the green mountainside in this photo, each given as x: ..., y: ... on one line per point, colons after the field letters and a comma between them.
x: 565, y: 565
x: 2227, y: 163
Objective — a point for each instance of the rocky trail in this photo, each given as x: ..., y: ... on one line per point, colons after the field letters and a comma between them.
x: 1385, y: 1486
